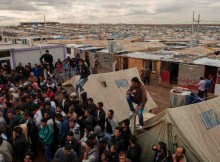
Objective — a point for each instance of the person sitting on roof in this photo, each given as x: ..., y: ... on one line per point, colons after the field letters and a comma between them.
x: 84, y: 73
x: 137, y: 94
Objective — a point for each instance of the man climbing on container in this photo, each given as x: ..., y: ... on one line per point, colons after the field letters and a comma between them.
x: 137, y: 94
x: 84, y: 73
x: 48, y: 58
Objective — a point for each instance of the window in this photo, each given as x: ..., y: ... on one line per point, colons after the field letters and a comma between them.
x: 68, y: 50
x: 4, y: 54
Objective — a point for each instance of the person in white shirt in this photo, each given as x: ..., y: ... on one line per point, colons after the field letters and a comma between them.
x: 37, y: 117
x: 53, y: 104
x: 201, y: 87
x: 59, y: 109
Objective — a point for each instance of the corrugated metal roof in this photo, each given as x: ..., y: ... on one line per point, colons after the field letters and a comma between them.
x: 156, y: 56
x: 208, y: 61
x: 199, y: 50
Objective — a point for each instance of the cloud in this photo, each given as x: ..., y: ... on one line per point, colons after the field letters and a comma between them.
x: 108, y: 11
x: 17, y: 5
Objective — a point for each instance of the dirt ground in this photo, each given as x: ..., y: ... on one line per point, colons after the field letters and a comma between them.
x: 160, y: 95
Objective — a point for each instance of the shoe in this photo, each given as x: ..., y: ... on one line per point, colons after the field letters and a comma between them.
x: 131, y: 113
x: 140, y: 127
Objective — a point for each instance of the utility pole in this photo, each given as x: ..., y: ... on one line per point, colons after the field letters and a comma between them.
x: 2, y: 33
x: 198, y: 25
x: 193, y: 19
x: 45, y: 26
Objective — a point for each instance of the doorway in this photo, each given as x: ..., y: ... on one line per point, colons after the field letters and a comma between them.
x: 174, y: 71
x: 211, y: 73
x: 5, y: 63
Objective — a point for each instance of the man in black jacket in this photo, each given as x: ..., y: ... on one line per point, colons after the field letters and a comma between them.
x: 117, y: 139
x: 134, y: 151
x: 19, y: 143
x: 73, y: 142
x: 100, y: 115
x: 48, y: 58
x: 162, y: 153
x: 32, y: 134
x: 84, y: 73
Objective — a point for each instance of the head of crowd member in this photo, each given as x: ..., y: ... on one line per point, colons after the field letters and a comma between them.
x: 72, y: 123
x: 180, y: 153
x: 48, y: 105
x: 18, y: 110
x: 66, y: 96
x: 59, y: 108
x: 114, y: 148
x: 47, y: 115
x: 88, y: 113
x: 44, y: 122
x: 97, y: 130
x: 31, y: 74
x: 42, y: 106
x: 133, y: 140
x: 160, y: 147
x: 90, y: 101
x: 70, y: 136
x: 122, y: 156
x: 125, y: 124
x: 11, y: 114
x: 59, y: 117
x: 20, y: 64
x: 28, y: 99
x: 201, y: 78
x: 47, y: 51
x: 29, y: 157
x: 81, y: 62
x: 135, y: 81
x: 88, y: 129
x: 110, y: 114
x: 106, y: 156
x: 99, y: 105
x: 20, y: 91
x: 84, y: 96
x: 71, y: 109
x: 67, y: 149
x: 17, y: 131
x: 89, y: 145
x: 73, y: 96
x: 34, y: 108
x: 118, y: 132
x: 25, y: 116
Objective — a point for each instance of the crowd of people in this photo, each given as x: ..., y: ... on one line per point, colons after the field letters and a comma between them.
x: 37, y: 115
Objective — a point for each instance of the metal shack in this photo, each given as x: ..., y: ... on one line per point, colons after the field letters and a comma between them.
x: 12, y: 54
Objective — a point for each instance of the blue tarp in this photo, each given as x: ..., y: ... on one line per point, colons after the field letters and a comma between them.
x: 195, y: 98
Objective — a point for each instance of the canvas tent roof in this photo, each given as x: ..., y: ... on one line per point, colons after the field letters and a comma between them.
x: 110, y: 88
x: 196, y: 127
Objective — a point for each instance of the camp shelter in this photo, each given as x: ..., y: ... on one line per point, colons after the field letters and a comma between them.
x: 196, y: 127
x: 110, y: 88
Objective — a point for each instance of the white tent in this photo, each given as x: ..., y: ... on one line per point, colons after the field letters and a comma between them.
x: 196, y: 127
x: 110, y: 88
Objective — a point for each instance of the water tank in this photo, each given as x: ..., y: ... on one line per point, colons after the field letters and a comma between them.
x: 180, y: 98
x: 112, y: 46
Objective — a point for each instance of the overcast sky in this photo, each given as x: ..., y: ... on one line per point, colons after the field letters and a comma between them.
x: 108, y: 11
